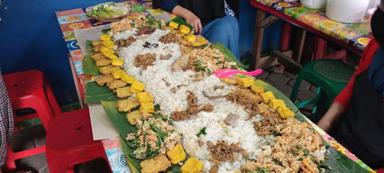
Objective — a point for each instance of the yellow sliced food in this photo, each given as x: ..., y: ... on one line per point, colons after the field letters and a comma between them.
x: 267, y: 96
x: 245, y: 82
x: 185, y: 29
x: 106, y: 51
x: 123, y: 92
x: 108, y: 69
x: 117, y: 62
x: 118, y: 73
x: 176, y: 154
x: 137, y: 86
x: 105, y: 37
x: 126, y: 105
x: 190, y: 38
x: 133, y: 117
x: 116, y: 84
x: 147, y: 107
x: 127, y: 78
x: 155, y: 165
x: 276, y: 103
x: 285, y: 112
x: 103, y: 62
x: 173, y: 25
x: 109, y: 44
x: 257, y: 89
x: 230, y: 81
x: 102, y: 80
x: 192, y: 165
x: 97, y: 56
x: 144, y: 97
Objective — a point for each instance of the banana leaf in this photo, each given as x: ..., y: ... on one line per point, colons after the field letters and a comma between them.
x: 89, y: 66
x: 229, y: 55
x: 95, y: 93
x: 120, y: 122
x: 337, y: 162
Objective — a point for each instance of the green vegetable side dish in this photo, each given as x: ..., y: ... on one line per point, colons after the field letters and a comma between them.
x: 107, y: 11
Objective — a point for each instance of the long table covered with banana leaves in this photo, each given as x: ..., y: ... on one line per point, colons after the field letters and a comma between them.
x: 165, y: 94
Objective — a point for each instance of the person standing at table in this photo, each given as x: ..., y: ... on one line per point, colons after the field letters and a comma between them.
x: 356, y: 118
x: 6, y: 121
x: 214, y: 19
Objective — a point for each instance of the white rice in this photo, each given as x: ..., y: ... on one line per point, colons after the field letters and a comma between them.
x: 154, y: 76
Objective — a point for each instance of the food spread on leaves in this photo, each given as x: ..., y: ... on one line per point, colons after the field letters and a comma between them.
x: 187, y: 117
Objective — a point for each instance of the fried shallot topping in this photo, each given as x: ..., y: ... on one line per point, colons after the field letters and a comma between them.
x: 171, y: 37
x: 145, y: 60
x: 192, y: 110
x: 125, y: 42
x: 222, y: 151
x: 243, y: 97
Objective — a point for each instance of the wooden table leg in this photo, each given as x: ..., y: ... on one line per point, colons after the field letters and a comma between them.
x: 258, y: 37
x: 303, y: 35
x: 320, y: 47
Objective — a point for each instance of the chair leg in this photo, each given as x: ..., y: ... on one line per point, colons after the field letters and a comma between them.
x: 9, y: 161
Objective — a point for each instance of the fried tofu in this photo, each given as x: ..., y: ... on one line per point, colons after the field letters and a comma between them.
x: 103, y: 79
x: 108, y: 69
x: 96, y: 49
x: 127, y: 105
x: 229, y: 81
x: 123, y: 92
x: 103, y: 62
x: 155, y: 165
x: 98, y: 56
x: 116, y: 84
x: 134, y: 116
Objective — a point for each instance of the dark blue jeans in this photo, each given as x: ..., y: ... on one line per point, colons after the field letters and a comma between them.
x: 224, y: 30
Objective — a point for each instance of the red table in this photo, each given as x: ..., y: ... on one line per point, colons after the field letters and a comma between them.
x: 262, y: 22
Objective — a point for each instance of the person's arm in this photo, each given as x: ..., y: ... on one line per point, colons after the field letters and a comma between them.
x: 332, y: 115
x: 341, y: 102
x: 173, y: 7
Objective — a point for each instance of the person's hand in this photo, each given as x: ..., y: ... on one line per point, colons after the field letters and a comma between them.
x: 195, y: 22
x: 190, y: 18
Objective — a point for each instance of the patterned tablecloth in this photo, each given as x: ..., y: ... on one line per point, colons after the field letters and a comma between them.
x: 357, y: 34
x: 70, y: 20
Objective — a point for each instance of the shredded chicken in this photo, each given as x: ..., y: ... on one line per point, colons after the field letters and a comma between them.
x: 145, y: 31
x: 171, y: 37
x: 245, y: 98
x: 125, y: 42
x: 192, y: 110
x: 222, y: 151
x: 145, y: 60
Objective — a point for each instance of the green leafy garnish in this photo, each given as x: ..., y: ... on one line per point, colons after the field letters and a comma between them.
x: 157, y: 107
x: 202, y: 132
x: 261, y: 170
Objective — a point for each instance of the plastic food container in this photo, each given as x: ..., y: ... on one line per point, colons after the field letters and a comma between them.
x: 314, y: 4
x: 347, y: 11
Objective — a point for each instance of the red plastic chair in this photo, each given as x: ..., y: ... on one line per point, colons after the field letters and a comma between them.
x: 29, y: 89
x: 69, y: 142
